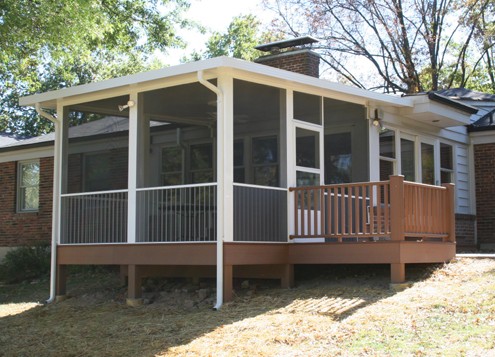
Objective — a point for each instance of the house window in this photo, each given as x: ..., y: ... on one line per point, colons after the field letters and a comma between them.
x: 387, y: 154
x: 172, y: 166
x: 427, y: 164
x: 201, y: 165
x: 265, y: 161
x: 407, y: 159
x: 28, y: 184
x: 446, y: 164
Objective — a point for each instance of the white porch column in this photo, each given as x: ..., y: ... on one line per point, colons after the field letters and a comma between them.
x: 374, y: 151
x: 225, y: 160
x: 133, y: 168
x: 290, y: 158
x: 60, y: 165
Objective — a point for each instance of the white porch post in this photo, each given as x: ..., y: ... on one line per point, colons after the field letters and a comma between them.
x: 225, y: 160
x: 132, y: 180
x: 290, y: 158
x: 374, y: 151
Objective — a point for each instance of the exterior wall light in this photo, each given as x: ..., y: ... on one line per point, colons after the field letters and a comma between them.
x: 129, y: 104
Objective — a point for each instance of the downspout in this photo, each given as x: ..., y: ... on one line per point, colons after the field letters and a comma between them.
x: 219, y: 94
x: 53, y: 266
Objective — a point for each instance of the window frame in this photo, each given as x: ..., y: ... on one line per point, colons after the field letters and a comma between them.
x: 396, y: 147
x: 450, y: 171
x: 20, y: 201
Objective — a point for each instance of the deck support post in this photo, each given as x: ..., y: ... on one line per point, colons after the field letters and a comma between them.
x: 134, y: 281
x: 287, y: 280
x: 397, y: 273
x: 61, y: 282
x: 228, y: 283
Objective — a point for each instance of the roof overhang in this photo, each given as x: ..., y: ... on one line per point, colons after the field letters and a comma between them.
x: 212, y: 68
x: 439, y: 111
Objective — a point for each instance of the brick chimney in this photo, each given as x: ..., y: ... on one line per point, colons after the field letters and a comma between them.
x: 292, y: 55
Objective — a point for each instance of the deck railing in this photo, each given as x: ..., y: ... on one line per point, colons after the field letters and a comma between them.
x: 390, y: 210
x: 427, y: 210
x: 96, y: 217
x: 260, y: 213
x: 185, y: 213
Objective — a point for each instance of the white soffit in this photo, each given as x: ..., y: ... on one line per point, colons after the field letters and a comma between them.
x: 436, y: 114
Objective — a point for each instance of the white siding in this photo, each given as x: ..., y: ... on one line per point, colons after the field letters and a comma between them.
x: 463, y: 198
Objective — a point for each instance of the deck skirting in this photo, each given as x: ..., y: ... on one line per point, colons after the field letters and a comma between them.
x: 244, y: 260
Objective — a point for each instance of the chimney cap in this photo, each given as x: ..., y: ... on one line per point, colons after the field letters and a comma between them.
x: 298, y: 41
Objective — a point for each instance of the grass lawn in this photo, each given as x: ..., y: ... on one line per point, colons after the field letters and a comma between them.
x: 449, y: 311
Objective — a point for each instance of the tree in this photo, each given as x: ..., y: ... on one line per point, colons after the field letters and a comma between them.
x: 239, y: 41
x: 405, y: 46
x: 50, y: 44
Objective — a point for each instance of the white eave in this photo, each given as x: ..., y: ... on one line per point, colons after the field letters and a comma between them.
x: 436, y: 114
x: 213, y: 67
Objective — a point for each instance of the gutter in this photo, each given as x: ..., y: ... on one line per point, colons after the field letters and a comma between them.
x: 220, y: 217
x: 56, y: 206
x: 452, y: 103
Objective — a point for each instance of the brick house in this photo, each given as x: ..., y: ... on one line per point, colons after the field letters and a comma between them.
x: 228, y: 168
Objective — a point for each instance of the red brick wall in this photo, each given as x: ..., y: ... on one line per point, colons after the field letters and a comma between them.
x: 464, y: 231
x: 484, y: 171
x: 18, y: 229
x: 25, y: 228
x: 304, y: 62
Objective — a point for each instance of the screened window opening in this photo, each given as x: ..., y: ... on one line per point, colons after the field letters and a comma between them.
x: 338, y: 158
x: 239, y: 168
x: 201, y: 167
x: 307, y: 107
x: 172, y: 166
x: 265, y: 161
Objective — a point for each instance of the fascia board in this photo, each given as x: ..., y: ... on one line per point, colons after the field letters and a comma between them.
x: 126, y: 81
x: 482, y: 137
x: 26, y: 154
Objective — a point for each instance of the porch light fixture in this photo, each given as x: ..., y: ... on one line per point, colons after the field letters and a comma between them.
x: 377, y: 122
x: 129, y: 104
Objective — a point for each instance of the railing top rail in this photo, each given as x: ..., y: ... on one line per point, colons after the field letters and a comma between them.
x: 354, y: 184
x: 92, y: 193
x: 424, y: 185
x: 177, y: 186
x: 259, y: 186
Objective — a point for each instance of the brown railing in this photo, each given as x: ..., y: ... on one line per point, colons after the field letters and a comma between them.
x: 427, y: 210
x: 390, y: 210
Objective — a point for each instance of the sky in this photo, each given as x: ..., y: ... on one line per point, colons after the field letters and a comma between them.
x: 216, y: 15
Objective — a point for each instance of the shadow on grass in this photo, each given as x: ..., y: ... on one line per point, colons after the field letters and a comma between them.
x: 96, y: 320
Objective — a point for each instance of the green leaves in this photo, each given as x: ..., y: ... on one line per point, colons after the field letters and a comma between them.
x: 242, y: 35
x: 51, y: 44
